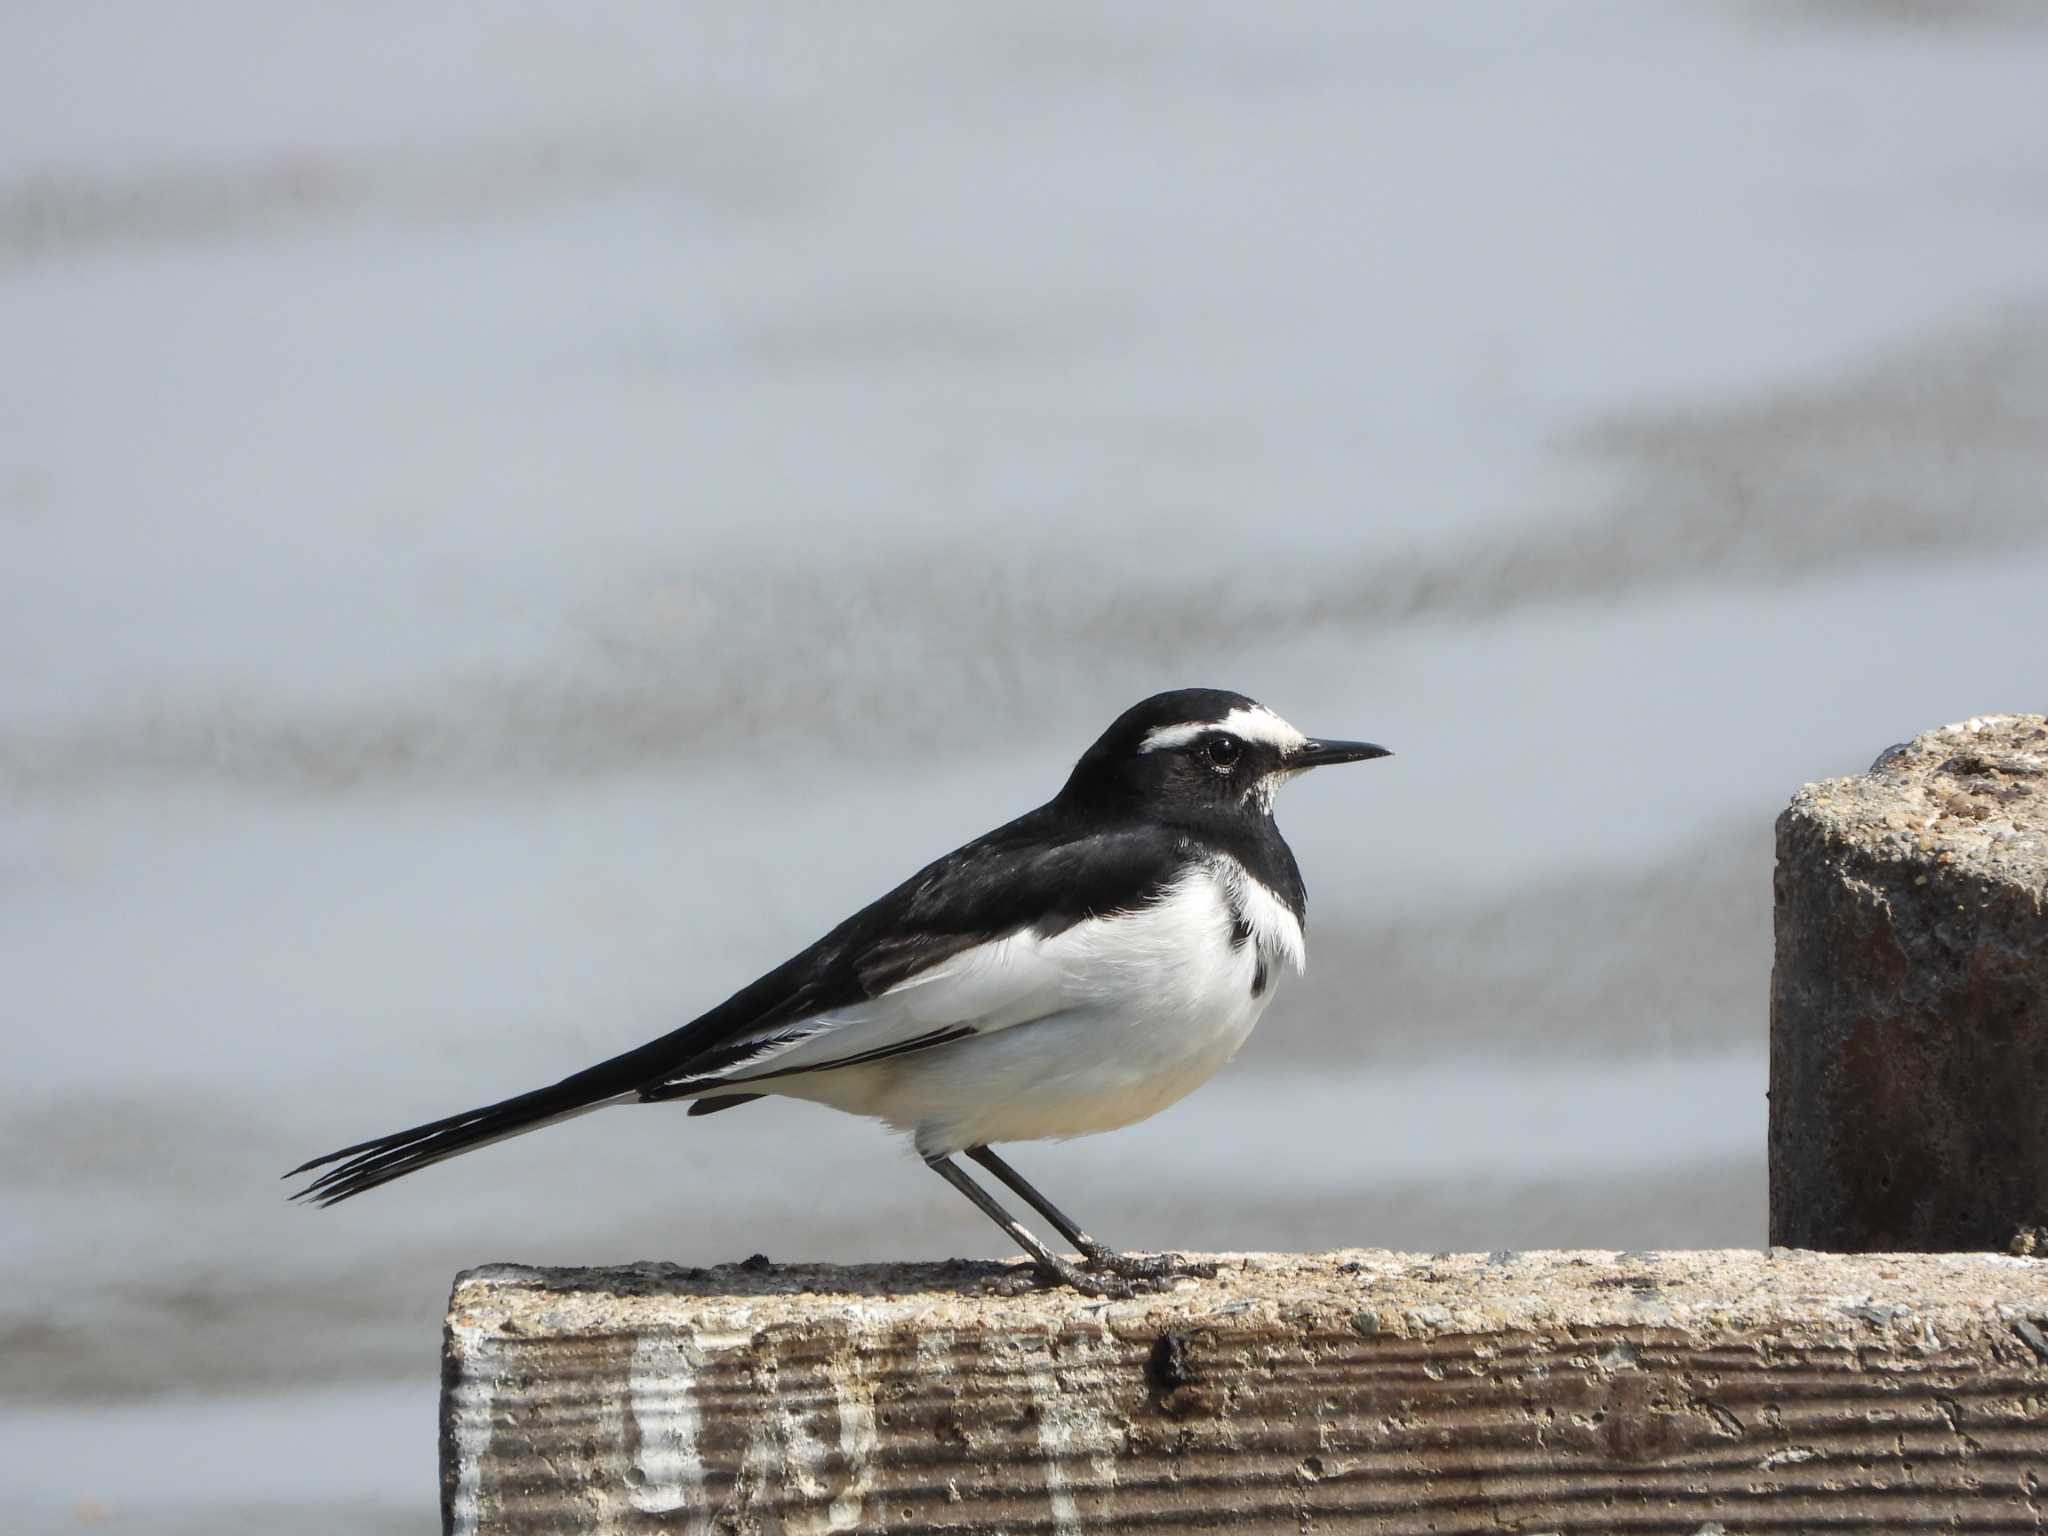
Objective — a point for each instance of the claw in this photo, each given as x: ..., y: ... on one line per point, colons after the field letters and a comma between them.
x: 1091, y: 1283
x: 1149, y: 1266
x: 1094, y: 1282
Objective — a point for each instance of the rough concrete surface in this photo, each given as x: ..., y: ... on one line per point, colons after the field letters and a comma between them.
x: 1358, y: 1390
x: 1909, y: 998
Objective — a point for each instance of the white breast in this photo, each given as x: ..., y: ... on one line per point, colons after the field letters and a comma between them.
x: 1131, y: 1012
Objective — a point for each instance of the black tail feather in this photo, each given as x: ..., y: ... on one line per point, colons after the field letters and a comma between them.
x: 371, y: 1163
x: 367, y: 1164
x: 648, y: 1072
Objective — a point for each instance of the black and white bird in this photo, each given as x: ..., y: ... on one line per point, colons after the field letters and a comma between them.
x: 1074, y: 971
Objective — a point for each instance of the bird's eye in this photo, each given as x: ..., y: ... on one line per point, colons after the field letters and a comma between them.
x: 1223, y: 749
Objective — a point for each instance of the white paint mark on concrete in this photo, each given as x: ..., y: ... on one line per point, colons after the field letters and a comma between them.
x: 1074, y: 1422
x: 859, y: 1440
x: 1053, y: 1439
x: 803, y: 1460
x: 933, y: 1351
x: 750, y: 1483
x: 661, y: 1395
x: 1105, y: 1434
x: 474, y: 1400
x: 752, y: 1479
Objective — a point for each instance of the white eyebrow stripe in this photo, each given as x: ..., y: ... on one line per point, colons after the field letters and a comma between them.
x: 1254, y: 724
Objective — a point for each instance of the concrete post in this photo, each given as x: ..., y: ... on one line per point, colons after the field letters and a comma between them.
x: 1359, y: 1391
x: 1909, y: 1000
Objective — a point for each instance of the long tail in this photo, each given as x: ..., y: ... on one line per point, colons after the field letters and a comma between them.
x: 380, y: 1160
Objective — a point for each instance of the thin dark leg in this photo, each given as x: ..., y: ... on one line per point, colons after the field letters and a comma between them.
x: 1068, y: 1227
x: 1062, y: 1271
x: 1099, y: 1256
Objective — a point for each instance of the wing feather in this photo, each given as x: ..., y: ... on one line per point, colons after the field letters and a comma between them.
x: 963, y: 947
x: 1006, y: 981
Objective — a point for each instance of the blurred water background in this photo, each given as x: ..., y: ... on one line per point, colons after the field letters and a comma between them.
x: 510, y: 524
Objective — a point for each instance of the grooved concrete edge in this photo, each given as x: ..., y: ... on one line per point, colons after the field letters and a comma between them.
x: 1398, y: 1294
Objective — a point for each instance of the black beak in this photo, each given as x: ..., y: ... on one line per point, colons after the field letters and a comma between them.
x: 1319, y: 753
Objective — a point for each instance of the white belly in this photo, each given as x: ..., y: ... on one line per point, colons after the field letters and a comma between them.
x: 1157, y: 1001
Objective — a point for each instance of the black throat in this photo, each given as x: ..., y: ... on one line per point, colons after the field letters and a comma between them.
x: 1241, y: 828
x: 1254, y: 841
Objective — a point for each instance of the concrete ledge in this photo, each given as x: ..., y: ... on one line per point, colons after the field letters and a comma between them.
x: 1356, y: 1390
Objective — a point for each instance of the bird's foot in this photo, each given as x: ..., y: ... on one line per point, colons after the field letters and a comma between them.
x: 1055, y: 1271
x: 1090, y: 1279
x: 1148, y: 1266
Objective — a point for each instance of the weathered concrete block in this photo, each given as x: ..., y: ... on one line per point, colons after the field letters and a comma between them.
x: 1361, y: 1391
x: 1909, y: 1000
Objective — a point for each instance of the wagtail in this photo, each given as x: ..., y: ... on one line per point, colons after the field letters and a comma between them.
x: 1074, y: 971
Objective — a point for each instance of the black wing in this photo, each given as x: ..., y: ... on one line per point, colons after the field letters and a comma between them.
x: 1040, y: 872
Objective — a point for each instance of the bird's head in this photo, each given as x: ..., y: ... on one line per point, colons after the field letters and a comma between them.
x: 1200, y: 752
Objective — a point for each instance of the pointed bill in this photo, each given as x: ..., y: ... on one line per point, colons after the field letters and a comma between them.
x: 1317, y: 754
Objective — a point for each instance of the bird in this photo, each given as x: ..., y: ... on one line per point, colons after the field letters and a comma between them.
x: 1074, y: 971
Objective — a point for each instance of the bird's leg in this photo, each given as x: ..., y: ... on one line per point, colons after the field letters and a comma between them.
x: 1132, y: 1266
x: 1052, y: 1266
x: 1067, y: 1226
